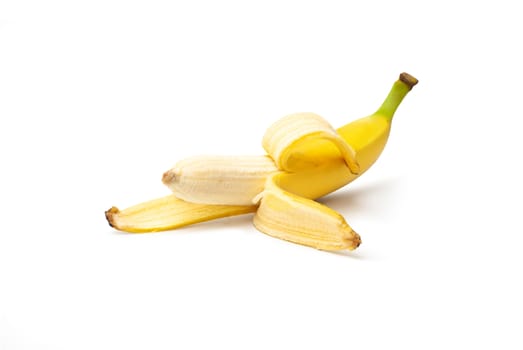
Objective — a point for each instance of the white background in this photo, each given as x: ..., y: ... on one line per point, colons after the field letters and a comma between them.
x: 99, y: 98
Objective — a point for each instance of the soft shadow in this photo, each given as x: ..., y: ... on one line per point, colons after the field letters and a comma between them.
x: 354, y: 198
x: 346, y: 254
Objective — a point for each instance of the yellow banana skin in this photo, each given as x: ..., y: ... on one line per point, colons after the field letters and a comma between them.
x: 332, y: 173
x: 367, y: 136
x: 167, y: 213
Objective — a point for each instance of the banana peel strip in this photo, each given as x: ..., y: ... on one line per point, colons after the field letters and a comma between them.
x: 167, y: 213
x: 284, y: 215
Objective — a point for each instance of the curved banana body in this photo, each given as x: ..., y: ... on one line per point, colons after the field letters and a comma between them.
x: 367, y: 136
x: 307, y: 159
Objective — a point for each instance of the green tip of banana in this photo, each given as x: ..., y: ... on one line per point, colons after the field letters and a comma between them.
x: 306, y: 159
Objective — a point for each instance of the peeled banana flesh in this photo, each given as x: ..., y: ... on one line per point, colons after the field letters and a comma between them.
x: 232, y: 180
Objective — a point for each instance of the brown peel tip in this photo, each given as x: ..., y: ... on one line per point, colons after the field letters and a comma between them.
x: 355, y: 241
x: 168, y: 177
x: 408, y: 79
x: 109, y: 215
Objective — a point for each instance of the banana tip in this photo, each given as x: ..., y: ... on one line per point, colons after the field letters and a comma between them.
x: 354, y: 241
x: 355, y: 169
x: 168, y: 177
x: 408, y: 80
x: 109, y: 215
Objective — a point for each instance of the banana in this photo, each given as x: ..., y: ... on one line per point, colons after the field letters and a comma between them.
x: 306, y: 159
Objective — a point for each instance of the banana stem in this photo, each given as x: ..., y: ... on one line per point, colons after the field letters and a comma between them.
x: 398, y: 91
